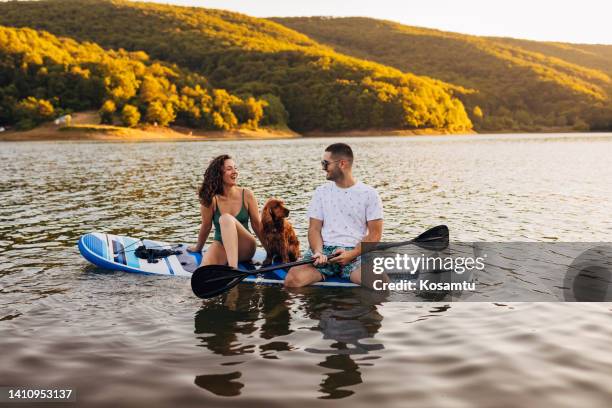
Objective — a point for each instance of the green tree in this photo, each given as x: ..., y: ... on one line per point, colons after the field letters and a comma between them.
x: 222, y: 106
x: 107, y: 111
x: 274, y: 112
x: 130, y: 115
x: 249, y: 112
x: 151, y: 89
x: 32, y: 111
x: 160, y: 114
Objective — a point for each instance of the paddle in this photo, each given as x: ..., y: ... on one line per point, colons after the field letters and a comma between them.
x: 212, y: 280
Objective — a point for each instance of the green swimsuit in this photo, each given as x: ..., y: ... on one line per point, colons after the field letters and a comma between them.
x: 242, y: 217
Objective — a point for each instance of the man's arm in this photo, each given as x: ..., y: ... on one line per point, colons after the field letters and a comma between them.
x: 374, y: 217
x: 315, y: 240
x: 375, y: 228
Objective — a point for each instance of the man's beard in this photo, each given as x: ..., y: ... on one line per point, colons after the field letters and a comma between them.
x: 333, y: 175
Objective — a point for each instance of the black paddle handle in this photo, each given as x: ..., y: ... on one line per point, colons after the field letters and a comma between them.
x: 378, y: 247
x: 382, y: 247
x: 289, y: 265
x: 198, y: 280
x: 434, y: 234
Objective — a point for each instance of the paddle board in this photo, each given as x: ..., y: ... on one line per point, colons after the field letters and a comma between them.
x: 117, y: 253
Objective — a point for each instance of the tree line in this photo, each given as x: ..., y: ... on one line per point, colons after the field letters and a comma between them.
x: 42, y: 77
x: 278, y: 75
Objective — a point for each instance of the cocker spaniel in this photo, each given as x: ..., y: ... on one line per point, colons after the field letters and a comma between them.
x: 278, y: 236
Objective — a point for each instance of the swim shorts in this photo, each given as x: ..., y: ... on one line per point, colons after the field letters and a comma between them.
x: 333, y: 269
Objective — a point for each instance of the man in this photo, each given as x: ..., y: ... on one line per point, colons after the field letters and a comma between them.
x: 343, y: 213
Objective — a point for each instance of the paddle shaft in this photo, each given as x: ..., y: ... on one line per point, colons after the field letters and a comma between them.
x: 378, y: 247
x: 285, y: 266
x: 243, y: 274
x: 234, y: 276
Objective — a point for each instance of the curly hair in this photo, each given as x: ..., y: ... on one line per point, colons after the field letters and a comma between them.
x: 213, y: 180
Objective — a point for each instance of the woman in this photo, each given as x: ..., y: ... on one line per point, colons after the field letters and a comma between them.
x: 229, y: 208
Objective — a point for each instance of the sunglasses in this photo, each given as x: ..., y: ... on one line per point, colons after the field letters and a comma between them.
x: 326, y: 163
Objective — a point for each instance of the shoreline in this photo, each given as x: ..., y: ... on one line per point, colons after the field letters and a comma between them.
x: 107, y: 133
x: 386, y: 132
x: 443, y: 132
x: 144, y: 134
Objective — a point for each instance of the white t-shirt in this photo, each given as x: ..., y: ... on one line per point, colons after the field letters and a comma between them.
x: 344, y: 212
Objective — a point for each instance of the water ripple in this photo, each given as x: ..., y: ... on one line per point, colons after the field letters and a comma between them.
x: 152, y: 343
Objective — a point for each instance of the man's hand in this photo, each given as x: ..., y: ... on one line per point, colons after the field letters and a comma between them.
x: 194, y: 248
x: 319, y: 258
x: 343, y: 257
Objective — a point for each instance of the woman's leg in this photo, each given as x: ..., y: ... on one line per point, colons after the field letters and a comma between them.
x: 238, y: 242
x: 214, y: 255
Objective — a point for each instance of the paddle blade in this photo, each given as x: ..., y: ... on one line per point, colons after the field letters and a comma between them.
x: 212, y: 280
x: 435, y: 239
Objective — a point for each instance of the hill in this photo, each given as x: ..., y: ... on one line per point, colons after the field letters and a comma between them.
x: 43, y: 76
x: 305, y: 84
x: 595, y: 56
x: 520, y: 85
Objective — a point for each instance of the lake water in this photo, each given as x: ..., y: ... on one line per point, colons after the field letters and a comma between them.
x: 147, y: 341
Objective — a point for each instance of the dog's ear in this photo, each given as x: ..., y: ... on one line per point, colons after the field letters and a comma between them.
x: 271, y: 212
x: 266, y: 213
x: 276, y: 204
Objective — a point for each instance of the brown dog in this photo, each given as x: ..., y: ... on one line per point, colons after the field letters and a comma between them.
x: 278, y: 236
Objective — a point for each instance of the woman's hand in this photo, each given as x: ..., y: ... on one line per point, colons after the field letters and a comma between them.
x: 194, y: 248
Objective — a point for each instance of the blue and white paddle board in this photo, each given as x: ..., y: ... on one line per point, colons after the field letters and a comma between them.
x: 117, y: 253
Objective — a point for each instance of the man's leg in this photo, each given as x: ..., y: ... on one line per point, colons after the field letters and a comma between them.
x: 355, y: 275
x: 302, y: 275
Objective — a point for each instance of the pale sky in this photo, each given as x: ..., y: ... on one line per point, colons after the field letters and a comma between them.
x: 584, y: 21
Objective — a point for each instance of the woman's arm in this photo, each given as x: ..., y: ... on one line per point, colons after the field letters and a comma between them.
x: 254, y: 213
x: 205, y: 227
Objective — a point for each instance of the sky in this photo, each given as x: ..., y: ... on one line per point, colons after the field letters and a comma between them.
x: 584, y: 21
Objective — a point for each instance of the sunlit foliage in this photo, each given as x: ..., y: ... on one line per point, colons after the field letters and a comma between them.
x: 519, y: 85
x: 269, y: 73
x: 43, y: 76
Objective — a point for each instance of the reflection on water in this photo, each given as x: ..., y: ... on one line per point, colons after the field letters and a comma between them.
x: 137, y: 340
x: 221, y: 384
x: 234, y: 324
x: 242, y: 311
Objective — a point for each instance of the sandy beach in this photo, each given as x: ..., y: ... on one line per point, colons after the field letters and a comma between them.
x: 85, y: 126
